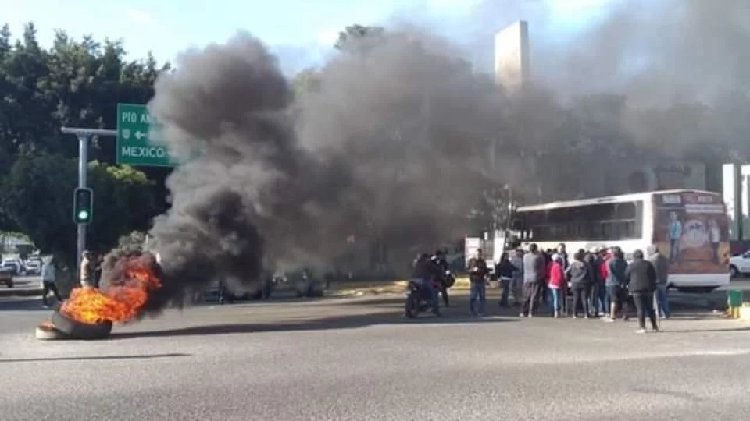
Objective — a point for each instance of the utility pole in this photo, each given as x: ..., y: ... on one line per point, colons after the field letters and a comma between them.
x: 84, y: 135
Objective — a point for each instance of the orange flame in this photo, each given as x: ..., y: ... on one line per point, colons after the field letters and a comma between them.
x: 119, y: 303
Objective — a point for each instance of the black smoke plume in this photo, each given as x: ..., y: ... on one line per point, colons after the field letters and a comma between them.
x: 389, y: 147
x: 394, y: 138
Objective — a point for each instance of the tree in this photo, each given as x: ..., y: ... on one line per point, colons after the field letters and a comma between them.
x: 38, y: 198
x: 73, y: 83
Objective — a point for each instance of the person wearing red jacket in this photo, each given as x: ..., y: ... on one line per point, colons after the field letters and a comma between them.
x: 556, y: 276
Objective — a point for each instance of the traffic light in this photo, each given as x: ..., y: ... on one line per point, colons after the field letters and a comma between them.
x: 83, y: 206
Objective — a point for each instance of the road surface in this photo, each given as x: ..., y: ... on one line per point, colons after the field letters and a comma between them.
x: 358, y: 359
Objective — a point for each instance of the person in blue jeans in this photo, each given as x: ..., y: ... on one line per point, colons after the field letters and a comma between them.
x: 661, y: 266
x: 505, y: 271
x: 478, y: 271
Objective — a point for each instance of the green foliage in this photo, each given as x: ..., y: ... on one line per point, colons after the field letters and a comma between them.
x: 75, y: 83
x: 38, y: 195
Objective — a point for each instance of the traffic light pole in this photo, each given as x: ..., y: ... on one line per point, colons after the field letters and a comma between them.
x: 84, y: 135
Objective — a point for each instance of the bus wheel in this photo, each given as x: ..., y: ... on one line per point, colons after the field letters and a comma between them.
x: 733, y: 272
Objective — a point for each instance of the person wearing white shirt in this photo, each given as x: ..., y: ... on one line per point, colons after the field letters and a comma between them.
x: 48, y: 281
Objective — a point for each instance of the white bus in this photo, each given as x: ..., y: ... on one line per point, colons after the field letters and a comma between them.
x: 690, y: 227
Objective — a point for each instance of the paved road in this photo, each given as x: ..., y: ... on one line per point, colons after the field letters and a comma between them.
x: 358, y: 359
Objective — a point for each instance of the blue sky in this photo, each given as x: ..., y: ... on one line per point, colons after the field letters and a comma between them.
x: 301, y: 31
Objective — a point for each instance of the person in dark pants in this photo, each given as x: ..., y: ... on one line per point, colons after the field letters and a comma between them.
x: 505, y: 271
x: 48, y: 282
x: 616, y: 285
x: 478, y: 271
x: 580, y: 283
x: 534, y: 272
x: 224, y: 294
x: 592, y: 295
x: 438, y: 259
x: 641, y: 278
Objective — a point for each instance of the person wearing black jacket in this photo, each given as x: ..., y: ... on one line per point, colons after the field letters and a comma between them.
x: 438, y: 259
x: 641, y: 279
x: 505, y: 270
x: 579, y: 275
x: 592, y: 260
x: 478, y: 271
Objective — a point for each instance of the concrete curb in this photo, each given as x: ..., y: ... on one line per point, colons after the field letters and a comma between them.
x: 20, y: 292
x: 380, y: 288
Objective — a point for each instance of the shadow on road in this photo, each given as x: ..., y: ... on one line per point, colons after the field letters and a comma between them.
x: 327, y: 323
x: 34, y: 303
x: 729, y: 330
x: 99, y: 357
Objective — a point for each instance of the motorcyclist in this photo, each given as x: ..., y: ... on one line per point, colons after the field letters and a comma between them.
x: 425, y: 270
x: 439, y: 260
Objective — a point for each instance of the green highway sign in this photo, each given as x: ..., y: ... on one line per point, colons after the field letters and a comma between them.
x: 133, y: 144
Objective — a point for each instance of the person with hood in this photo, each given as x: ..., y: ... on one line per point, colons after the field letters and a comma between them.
x: 641, y: 279
x: 616, y: 285
x: 557, y: 279
x: 661, y: 266
x: 579, y: 274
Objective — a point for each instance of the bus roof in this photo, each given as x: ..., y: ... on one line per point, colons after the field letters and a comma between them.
x: 607, y: 199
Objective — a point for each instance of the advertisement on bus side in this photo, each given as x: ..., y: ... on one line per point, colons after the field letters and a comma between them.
x: 691, y: 229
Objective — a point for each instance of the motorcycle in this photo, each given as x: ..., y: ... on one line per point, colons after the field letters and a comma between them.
x: 418, y: 298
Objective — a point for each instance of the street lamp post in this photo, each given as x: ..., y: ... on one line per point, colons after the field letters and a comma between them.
x: 83, y: 135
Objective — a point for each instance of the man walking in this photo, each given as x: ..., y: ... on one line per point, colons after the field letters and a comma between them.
x: 641, y: 279
x: 533, y: 276
x: 661, y: 266
x: 48, y: 282
x: 516, y: 284
x: 478, y: 270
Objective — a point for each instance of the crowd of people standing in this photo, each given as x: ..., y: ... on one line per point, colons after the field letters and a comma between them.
x: 599, y: 282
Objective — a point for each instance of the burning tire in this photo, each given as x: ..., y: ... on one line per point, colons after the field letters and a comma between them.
x: 78, y: 330
x: 47, y: 332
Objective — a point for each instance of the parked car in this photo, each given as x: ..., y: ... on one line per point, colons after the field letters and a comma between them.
x: 34, y: 267
x: 6, y: 277
x: 15, y: 267
x: 739, y: 265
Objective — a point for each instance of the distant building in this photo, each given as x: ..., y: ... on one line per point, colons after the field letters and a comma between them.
x: 512, y: 61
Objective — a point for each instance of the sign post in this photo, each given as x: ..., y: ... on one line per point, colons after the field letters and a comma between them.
x: 134, y: 144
